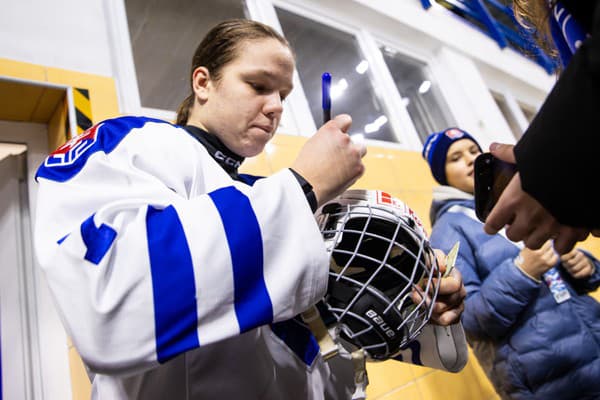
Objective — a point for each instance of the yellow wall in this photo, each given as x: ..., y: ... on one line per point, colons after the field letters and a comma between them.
x: 103, y: 93
x: 401, y: 173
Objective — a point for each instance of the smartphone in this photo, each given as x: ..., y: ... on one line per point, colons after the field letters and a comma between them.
x: 491, y: 177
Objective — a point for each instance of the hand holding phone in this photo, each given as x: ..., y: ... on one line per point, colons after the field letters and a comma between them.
x: 491, y: 177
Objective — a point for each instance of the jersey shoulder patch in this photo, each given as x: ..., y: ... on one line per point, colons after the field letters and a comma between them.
x: 70, y: 158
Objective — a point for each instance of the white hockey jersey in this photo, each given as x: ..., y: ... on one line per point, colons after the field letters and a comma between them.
x: 175, y: 281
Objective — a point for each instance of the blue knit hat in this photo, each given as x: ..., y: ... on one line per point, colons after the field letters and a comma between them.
x: 436, y: 147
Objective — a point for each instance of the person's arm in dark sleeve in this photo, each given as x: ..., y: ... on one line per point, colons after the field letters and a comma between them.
x: 555, y: 156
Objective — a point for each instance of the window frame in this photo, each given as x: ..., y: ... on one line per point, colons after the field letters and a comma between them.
x: 514, y: 108
x: 297, y: 119
x: 379, y: 74
x: 431, y: 66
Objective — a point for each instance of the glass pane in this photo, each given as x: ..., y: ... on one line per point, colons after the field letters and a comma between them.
x: 528, y: 112
x: 420, y: 93
x: 320, y: 48
x: 164, y: 35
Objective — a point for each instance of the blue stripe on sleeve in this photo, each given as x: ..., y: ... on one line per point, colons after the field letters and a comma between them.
x: 174, y: 289
x: 252, y: 302
x: 64, y: 164
x: 415, y: 349
x: 298, y: 338
x: 249, y: 180
x: 96, y: 239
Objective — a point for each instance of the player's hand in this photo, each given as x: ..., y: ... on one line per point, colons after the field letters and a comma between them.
x: 330, y: 161
x: 577, y: 264
x: 450, y: 302
x: 524, y: 217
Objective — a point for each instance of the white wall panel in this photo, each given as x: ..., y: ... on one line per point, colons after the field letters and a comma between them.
x: 68, y: 34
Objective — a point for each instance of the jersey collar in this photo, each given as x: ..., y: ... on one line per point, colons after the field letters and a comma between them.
x: 226, y: 158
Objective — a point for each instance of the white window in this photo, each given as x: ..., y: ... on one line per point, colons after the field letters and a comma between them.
x: 321, y: 48
x: 164, y: 36
x: 419, y: 92
x: 517, y: 116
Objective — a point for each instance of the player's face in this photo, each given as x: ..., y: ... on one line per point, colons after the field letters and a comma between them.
x: 459, y: 164
x: 243, y: 108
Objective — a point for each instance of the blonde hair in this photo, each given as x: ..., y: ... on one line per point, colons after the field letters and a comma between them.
x: 534, y: 15
x: 219, y: 47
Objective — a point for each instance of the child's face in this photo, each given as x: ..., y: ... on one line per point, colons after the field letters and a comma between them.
x: 459, y: 165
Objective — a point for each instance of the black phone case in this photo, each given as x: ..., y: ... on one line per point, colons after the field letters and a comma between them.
x: 491, y: 177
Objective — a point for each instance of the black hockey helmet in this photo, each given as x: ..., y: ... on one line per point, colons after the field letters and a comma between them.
x: 380, y: 254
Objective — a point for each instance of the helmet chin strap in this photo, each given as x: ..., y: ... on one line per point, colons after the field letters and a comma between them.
x: 330, y: 348
x: 361, y: 380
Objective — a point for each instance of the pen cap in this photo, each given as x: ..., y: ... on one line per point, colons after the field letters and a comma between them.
x: 326, y: 90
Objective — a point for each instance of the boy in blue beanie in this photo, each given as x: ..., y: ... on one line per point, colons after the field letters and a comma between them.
x: 528, y: 317
x: 436, y: 147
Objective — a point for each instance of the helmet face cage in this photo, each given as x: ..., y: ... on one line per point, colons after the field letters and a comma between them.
x: 380, y: 254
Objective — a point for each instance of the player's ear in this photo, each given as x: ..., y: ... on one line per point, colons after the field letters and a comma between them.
x: 201, y: 83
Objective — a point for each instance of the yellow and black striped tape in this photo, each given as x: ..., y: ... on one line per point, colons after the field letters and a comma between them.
x: 83, y: 109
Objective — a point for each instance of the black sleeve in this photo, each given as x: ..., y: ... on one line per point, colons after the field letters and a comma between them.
x: 559, y: 155
x: 308, y: 191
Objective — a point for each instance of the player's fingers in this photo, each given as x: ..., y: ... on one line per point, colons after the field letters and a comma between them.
x: 417, y: 296
x: 444, y: 303
x: 360, y: 145
x: 448, y: 317
x: 343, y: 122
x: 440, y: 257
x: 450, y: 284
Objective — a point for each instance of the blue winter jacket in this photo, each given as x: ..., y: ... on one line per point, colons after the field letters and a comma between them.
x: 530, y: 346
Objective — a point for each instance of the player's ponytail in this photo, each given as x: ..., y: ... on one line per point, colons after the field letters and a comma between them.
x: 183, y: 112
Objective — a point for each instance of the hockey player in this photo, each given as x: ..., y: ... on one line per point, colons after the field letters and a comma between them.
x: 178, y: 277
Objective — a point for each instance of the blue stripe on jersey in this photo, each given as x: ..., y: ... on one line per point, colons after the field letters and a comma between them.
x: 249, y: 179
x: 174, y: 289
x: 64, y: 164
x: 415, y: 350
x: 97, y: 240
x: 298, y: 338
x: 252, y: 302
